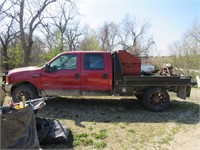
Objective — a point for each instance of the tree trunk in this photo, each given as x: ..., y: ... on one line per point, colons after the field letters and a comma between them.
x: 26, y: 56
x: 70, y: 46
x: 62, y: 43
x: 5, y: 55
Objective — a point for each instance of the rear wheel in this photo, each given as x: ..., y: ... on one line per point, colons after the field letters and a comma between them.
x: 24, y: 90
x: 156, y: 99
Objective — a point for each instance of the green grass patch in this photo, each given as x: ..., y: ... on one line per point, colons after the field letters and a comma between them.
x: 100, y: 145
x: 81, y: 135
x: 82, y: 139
x: 131, y: 130
x: 101, y: 135
x: 87, y: 142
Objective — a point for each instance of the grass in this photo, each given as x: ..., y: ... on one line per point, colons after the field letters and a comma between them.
x: 92, y: 139
x: 100, y: 145
x: 101, y: 135
x: 82, y: 139
x: 124, y: 124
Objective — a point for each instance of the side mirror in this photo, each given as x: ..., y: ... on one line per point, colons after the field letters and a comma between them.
x: 46, y: 68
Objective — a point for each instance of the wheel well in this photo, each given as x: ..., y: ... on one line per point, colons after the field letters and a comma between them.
x: 22, y: 83
x: 143, y: 89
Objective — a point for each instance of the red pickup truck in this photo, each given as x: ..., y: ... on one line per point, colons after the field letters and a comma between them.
x: 95, y: 73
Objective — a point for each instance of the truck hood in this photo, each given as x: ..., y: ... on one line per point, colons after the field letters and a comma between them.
x: 24, y: 69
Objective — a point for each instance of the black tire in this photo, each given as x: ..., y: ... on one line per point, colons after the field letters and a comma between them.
x: 24, y: 90
x: 156, y: 99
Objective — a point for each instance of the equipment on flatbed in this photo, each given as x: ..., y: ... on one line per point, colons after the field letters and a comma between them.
x: 131, y: 65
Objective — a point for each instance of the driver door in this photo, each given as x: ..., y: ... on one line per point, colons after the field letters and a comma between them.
x: 63, y: 76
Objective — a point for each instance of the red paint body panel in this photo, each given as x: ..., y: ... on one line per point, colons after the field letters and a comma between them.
x: 94, y: 79
x: 25, y: 74
x: 66, y: 79
x: 88, y: 80
x: 61, y: 80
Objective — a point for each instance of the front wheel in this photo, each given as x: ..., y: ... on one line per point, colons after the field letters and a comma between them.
x: 156, y: 99
x: 24, y: 90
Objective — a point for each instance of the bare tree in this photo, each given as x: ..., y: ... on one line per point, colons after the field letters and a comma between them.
x: 195, y: 33
x: 90, y: 41
x: 8, y: 32
x: 60, y: 26
x: 30, y: 17
x: 5, y: 8
x: 186, y: 51
x: 49, y: 36
x: 6, y: 36
x: 108, y: 34
x: 38, y: 51
x: 133, y: 38
x: 73, y: 34
x: 189, y: 44
x: 61, y: 21
x: 1, y: 6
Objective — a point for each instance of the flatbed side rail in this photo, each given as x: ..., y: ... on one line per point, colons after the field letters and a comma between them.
x: 134, y: 84
x: 156, y: 81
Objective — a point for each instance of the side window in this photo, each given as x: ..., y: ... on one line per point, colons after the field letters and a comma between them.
x: 93, y: 62
x: 64, y: 62
x: 71, y: 63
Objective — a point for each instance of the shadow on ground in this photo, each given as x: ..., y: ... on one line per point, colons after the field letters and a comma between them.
x: 115, y: 111
x: 124, y: 110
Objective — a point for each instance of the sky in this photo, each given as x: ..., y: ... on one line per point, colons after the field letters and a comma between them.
x: 168, y: 19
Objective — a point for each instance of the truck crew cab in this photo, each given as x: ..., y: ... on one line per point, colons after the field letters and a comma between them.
x: 95, y: 73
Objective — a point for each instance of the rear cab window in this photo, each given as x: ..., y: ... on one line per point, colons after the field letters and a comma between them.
x: 94, y: 62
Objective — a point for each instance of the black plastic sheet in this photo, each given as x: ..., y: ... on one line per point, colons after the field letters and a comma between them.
x: 18, y: 129
x: 51, y: 131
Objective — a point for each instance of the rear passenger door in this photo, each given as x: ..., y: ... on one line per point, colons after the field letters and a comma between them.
x: 94, y: 72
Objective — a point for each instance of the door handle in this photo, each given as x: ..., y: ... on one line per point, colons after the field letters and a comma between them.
x: 105, y: 76
x: 77, y: 76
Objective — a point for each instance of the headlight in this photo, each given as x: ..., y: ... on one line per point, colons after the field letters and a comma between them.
x: 7, y: 79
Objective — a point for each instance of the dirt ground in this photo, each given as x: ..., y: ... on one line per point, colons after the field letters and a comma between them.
x: 128, y: 124
x: 123, y: 123
x: 189, y: 137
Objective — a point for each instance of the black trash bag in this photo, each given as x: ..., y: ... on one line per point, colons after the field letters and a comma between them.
x: 7, y: 110
x: 18, y: 129
x: 51, y: 131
